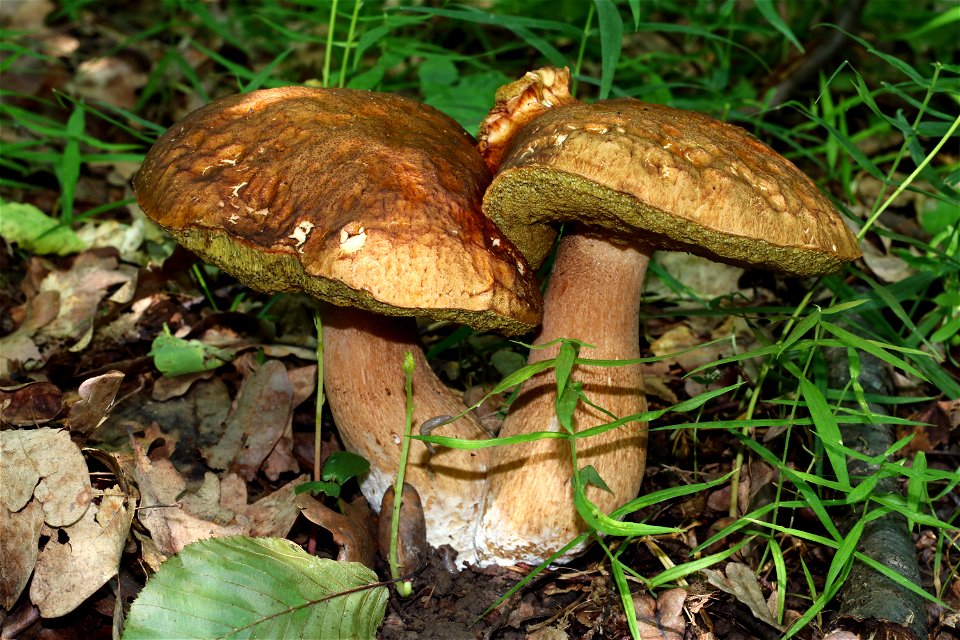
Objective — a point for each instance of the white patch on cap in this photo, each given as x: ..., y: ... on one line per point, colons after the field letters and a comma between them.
x: 301, y: 231
x: 352, y: 241
x: 236, y: 188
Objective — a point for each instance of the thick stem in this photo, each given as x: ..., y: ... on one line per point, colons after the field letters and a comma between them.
x: 594, y: 296
x: 365, y: 390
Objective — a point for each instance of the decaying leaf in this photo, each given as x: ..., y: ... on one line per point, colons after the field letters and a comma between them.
x: 171, y: 526
x: 96, y: 399
x: 90, y: 279
x: 30, y: 404
x: 351, y: 531
x: 44, y: 465
x: 19, y: 537
x: 695, y: 276
x: 412, y: 534
x: 264, y: 407
x: 68, y: 573
x: 18, y: 351
x: 176, y: 517
x: 661, y: 619
x: 741, y: 582
x: 273, y: 515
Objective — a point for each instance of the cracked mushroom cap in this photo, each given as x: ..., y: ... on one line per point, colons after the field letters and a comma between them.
x: 677, y: 180
x: 358, y: 198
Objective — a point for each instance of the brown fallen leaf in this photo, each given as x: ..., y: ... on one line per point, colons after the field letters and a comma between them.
x: 46, y: 466
x: 70, y: 572
x: 91, y: 278
x: 701, y: 276
x: 263, y: 409
x: 661, y: 619
x: 274, y: 514
x: 351, y: 530
x: 18, y: 351
x: 412, y: 534
x: 30, y: 404
x: 96, y: 400
x: 171, y: 525
x: 19, y: 537
x: 741, y: 582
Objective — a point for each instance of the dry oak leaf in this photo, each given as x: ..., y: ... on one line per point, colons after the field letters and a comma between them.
x: 68, y: 573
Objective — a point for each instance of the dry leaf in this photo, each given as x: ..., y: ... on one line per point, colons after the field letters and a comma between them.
x: 704, y: 277
x: 354, y: 535
x: 19, y: 537
x: 741, y: 582
x: 263, y: 409
x: 30, y: 404
x: 887, y: 267
x: 663, y: 619
x: 82, y: 288
x: 171, y: 526
x: 96, y: 400
x: 548, y: 633
x: 44, y: 464
x: 69, y: 573
x: 18, y: 351
x: 109, y: 79
x: 273, y: 515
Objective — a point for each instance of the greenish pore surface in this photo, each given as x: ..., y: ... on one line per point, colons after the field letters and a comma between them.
x: 281, y: 272
x: 523, y: 201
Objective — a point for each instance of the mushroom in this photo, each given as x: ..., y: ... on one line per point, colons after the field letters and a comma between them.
x: 628, y: 178
x: 370, y: 202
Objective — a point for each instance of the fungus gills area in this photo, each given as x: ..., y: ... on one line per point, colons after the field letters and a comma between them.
x: 678, y: 180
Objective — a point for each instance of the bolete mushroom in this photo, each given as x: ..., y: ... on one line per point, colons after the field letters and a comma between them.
x: 371, y: 202
x: 627, y: 178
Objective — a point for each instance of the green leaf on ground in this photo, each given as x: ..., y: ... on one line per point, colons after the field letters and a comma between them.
x: 240, y: 587
x: 173, y: 356
x: 35, y: 231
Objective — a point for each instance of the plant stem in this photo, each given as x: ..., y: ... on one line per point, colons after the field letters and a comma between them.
x: 404, y: 589
x: 318, y: 425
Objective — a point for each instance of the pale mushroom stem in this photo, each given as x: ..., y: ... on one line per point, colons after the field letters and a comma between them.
x: 364, y: 380
x: 594, y: 296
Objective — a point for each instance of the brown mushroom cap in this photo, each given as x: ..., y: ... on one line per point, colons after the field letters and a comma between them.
x: 676, y: 179
x: 359, y: 198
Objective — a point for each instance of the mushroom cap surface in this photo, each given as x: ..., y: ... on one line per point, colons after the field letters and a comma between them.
x: 359, y: 198
x: 677, y: 180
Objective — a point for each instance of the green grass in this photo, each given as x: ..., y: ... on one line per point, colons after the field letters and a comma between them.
x: 887, y: 115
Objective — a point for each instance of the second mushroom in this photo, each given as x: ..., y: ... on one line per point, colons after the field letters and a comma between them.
x: 627, y: 178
